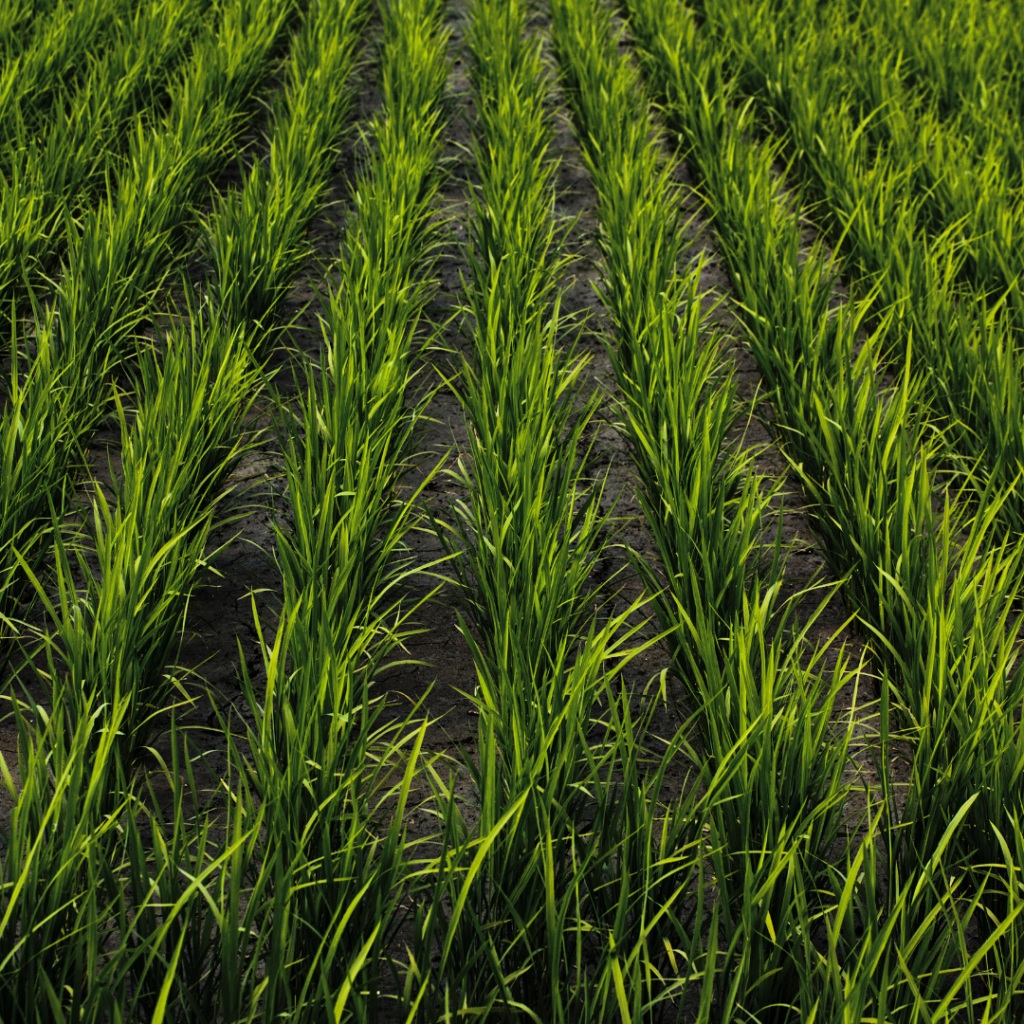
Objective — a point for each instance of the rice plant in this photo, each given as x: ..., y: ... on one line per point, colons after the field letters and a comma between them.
x: 757, y: 707
x: 922, y: 200
x: 115, y: 641
x: 332, y: 769
x: 100, y: 921
x: 255, y: 238
x: 574, y: 874
x: 54, y: 55
x: 117, y: 258
x: 52, y: 175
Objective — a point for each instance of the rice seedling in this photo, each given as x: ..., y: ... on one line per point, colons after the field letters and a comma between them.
x: 926, y: 218
x: 40, y: 443
x: 117, y: 258
x: 255, y: 238
x: 55, y: 54
x: 568, y: 898
x: 762, y: 716
x: 320, y: 763
x: 52, y: 175
x: 99, y: 920
x: 297, y: 886
x: 63, y: 833
x: 323, y: 755
x: 938, y: 973
x: 114, y: 641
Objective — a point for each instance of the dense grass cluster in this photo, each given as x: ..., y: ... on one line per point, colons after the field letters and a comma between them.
x: 859, y: 165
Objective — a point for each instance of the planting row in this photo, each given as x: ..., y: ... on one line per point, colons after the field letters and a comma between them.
x: 934, y: 588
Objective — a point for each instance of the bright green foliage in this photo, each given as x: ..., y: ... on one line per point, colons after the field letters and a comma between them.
x: 323, y: 761
x: 44, y: 64
x: 51, y: 173
x: 82, y: 878
x: 929, y: 580
x: 117, y: 258
x: 112, y: 643
x: 15, y: 22
x: 764, y: 719
x: 918, y: 173
x: 573, y: 875
x: 255, y: 238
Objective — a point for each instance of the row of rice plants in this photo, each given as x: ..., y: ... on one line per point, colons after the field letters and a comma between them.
x: 51, y: 174
x: 95, y: 915
x: 255, y: 237
x: 183, y: 441
x: 325, y: 767
x: 43, y: 62
x: 930, y: 92
x: 335, y: 770
x: 87, y: 921
x: 768, y: 747
x: 910, y: 230
x: 822, y: 348
x: 558, y: 893
x: 117, y: 258
x: 935, y: 589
